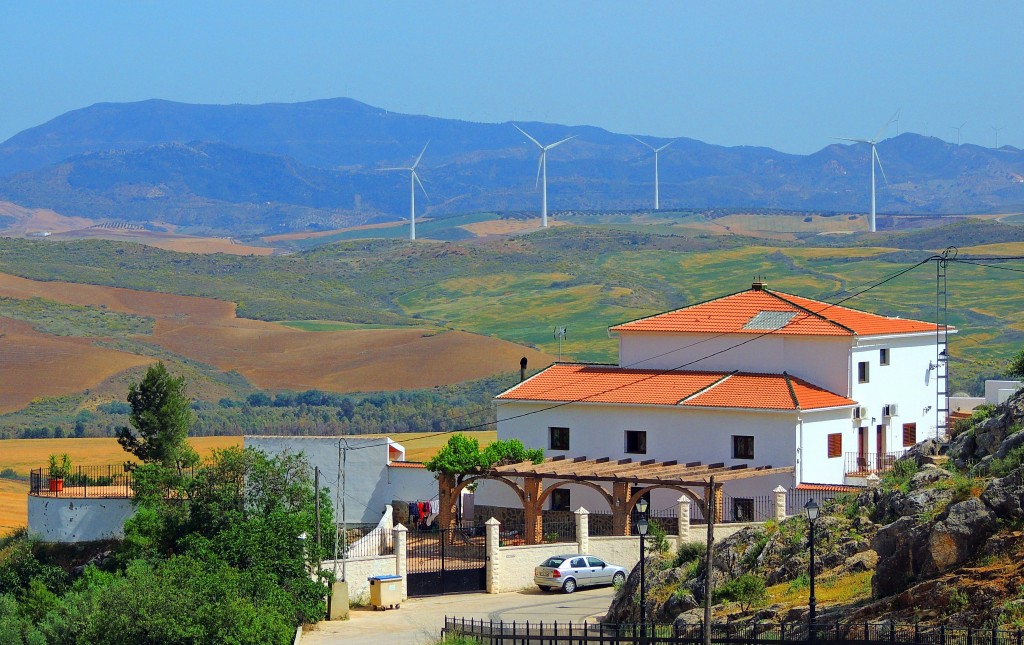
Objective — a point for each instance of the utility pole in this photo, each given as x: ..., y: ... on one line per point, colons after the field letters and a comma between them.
x: 710, y: 512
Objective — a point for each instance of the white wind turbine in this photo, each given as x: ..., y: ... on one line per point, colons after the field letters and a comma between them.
x: 542, y: 170
x: 874, y: 159
x: 656, y: 151
x: 958, y: 129
x: 997, y: 131
x: 413, y: 180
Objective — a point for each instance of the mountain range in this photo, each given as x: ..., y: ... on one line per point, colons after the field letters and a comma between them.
x: 255, y: 169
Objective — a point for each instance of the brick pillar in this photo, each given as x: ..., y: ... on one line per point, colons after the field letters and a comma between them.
x: 532, y: 514
x: 683, y: 519
x: 401, y: 568
x: 446, y: 500
x: 493, y: 558
x: 583, y: 530
x: 719, y: 511
x: 620, y: 518
x: 780, y: 503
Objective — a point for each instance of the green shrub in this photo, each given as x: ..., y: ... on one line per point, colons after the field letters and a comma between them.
x: 802, y: 581
x: 657, y: 540
x: 688, y: 552
x: 748, y: 590
x: 900, y: 475
x: 1006, y: 465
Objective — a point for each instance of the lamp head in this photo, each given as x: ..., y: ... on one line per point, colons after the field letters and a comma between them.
x: 642, y: 505
x: 811, y: 508
x: 641, y: 526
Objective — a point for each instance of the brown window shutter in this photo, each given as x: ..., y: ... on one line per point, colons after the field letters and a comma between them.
x: 835, y: 445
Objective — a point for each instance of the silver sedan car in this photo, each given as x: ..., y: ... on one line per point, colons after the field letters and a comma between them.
x: 570, y: 572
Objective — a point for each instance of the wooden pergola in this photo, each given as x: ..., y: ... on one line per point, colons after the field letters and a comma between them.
x: 629, y: 480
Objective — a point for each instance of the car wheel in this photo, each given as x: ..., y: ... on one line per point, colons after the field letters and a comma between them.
x: 569, y: 586
x: 543, y: 588
x: 618, y: 579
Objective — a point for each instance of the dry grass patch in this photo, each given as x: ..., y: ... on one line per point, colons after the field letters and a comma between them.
x: 828, y: 590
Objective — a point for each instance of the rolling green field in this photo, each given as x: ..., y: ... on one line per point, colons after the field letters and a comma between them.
x: 585, y: 277
x: 61, y: 319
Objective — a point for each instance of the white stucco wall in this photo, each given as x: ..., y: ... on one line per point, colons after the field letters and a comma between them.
x: 906, y: 381
x: 999, y: 391
x: 357, y: 570
x: 598, y: 430
x: 369, y: 484
x: 517, y: 562
x: 77, y: 519
x: 822, y: 360
x: 813, y: 463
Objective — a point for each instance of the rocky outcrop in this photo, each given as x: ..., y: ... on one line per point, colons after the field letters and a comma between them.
x: 986, y: 440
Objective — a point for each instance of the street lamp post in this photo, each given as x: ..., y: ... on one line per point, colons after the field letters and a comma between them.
x: 641, y: 528
x: 811, y: 509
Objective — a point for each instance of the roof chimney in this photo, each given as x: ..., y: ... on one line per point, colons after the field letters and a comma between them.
x: 522, y: 369
x: 759, y: 284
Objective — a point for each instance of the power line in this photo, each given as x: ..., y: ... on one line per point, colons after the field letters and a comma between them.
x: 808, y: 314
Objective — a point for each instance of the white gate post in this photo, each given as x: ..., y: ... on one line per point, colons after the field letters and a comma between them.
x: 401, y: 567
x: 780, y: 503
x: 582, y: 530
x: 492, y: 558
x: 683, y: 519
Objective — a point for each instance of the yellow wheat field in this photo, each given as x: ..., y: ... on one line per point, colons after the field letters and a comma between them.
x: 24, y: 455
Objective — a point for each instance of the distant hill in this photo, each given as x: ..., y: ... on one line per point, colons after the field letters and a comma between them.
x: 285, y: 167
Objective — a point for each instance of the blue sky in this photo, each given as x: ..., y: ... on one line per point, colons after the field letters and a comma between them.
x: 789, y: 75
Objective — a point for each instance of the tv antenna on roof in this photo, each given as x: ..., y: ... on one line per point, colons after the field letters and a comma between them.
x: 560, y: 336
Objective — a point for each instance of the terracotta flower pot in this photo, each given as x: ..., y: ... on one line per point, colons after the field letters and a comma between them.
x: 56, y: 484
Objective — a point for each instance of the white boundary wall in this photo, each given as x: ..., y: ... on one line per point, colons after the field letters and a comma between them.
x: 77, y: 519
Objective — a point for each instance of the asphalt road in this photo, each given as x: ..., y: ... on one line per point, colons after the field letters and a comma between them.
x: 419, y: 620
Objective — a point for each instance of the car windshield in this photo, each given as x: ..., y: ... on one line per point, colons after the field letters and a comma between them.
x: 553, y: 562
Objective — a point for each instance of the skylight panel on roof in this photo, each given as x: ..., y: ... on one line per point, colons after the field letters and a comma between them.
x: 770, y: 320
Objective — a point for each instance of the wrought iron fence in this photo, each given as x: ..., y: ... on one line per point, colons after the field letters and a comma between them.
x: 552, y: 532
x: 756, y: 633
x: 866, y: 463
x: 739, y: 509
x: 795, y: 499
x: 377, y: 541
x: 83, y: 481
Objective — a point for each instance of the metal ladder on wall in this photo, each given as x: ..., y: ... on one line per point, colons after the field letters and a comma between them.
x: 942, y: 345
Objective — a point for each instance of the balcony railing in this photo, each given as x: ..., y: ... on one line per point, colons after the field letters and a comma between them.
x: 866, y: 463
x: 83, y: 481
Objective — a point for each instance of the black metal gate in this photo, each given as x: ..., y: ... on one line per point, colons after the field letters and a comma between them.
x: 446, y: 561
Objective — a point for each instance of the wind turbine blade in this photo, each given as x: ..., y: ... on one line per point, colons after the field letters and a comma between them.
x: 540, y: 163
x: 417, y: 162
x: 558, y: 143
x: 417, y: 179
x: 879, y: 160
x: 643, y: 143
x: 666, y: 145
x: 854, y: 140
x: 537, y: 143
x: 383, y: 169
x: 892, y: 119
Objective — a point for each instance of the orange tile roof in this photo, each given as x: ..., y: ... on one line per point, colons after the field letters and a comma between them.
x: 604, y: 384
x: 831, y: 488
x: 406, y: 464
x: 760, y: 311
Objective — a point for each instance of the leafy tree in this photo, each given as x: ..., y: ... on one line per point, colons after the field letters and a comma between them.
x: 747, y: 589
x: 462, y: 455
x: 1016, y: 367
x: 161, y: 417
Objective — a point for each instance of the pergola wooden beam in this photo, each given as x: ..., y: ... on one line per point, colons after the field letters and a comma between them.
x: 649, y: 471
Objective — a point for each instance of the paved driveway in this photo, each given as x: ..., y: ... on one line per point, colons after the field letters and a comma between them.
x: 419, y: 620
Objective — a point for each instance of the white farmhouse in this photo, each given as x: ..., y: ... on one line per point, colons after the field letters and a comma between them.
x: 755, y: 378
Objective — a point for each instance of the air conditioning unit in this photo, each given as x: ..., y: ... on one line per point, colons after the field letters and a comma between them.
x: 890, y: 410
x: 860, y: 415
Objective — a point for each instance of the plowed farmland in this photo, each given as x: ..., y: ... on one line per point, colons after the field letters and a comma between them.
x: 269, y: 355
